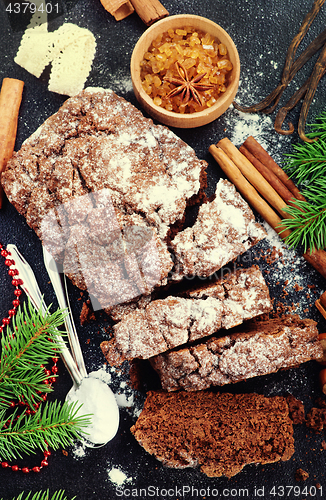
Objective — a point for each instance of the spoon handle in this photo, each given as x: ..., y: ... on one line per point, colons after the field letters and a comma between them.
x: 31, y: 288
x: 63, y: 301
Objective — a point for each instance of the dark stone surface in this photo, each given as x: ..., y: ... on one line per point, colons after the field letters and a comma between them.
x: 262, y: 32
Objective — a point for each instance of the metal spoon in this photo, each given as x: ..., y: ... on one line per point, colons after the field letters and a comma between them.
x: 94, y: 394
x: 32, y: 290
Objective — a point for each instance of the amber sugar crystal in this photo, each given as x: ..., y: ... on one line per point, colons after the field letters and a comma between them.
x: 197, y: 53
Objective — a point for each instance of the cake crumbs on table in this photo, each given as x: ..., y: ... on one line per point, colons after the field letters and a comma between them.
x: 301, y: 475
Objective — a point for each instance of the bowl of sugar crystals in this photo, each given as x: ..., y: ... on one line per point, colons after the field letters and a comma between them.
x: 185, y: 71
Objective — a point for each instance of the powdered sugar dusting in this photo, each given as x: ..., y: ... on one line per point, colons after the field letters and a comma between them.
x: 239, y: 126
x: 118, y: 477
x: 286, y: 271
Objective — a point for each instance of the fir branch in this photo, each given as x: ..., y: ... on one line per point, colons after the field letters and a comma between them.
x: 30, y: 343
x: 42, y: 495
x: 307, y: 165
x: 308, y: 161
x: 308, y: 225
x: 55, y: 423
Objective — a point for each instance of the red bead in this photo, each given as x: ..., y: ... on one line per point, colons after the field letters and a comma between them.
x: 1, y: 329
x: 4, y: 253
x: 25, y: 470
x: 47, y: 372
x: 45, y: 397
x: 12, y: 272
x: 18, y: 293
x: 44, y: 463
x: 20, y: 281
x: 55, y: 369
x: 55, y: 360
x: 15, y: 468
x: 6, y: 321
x: 53, y: 379
x: 8, y: 262
x: 36, y: 469
x: 28, y: 411
x: 4, y: 464
x: 47, y: 453
x: 12, y: 312
x: 12, y: 404
x: 15, y: 303
x: 14, y: 282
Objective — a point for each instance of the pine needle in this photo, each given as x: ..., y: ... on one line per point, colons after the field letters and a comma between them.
x: 308, y: 225
x: 307, y: 165
x: 55, y: 423
x: 42, y: 495
x: 30, y: 343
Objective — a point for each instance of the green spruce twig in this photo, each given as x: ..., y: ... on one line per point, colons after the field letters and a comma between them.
x: 307, y: 165
x: 42, y: 495
x: 29, y: 344
x: 308, y: 225
x: 55, y: 423
x: 25, y: 348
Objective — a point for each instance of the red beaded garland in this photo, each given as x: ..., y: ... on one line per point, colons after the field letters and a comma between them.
x: 26, y: 470
x: 16, y: 282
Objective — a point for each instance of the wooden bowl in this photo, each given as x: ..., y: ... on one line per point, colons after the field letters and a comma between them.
x: 172, y: 118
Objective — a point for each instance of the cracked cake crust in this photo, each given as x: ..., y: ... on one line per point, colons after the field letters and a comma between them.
x: 258, y: 348
x: 99, y: 143
x: 166, y: 323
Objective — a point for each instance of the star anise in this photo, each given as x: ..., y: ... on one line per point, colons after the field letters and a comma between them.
x: 188, y: 88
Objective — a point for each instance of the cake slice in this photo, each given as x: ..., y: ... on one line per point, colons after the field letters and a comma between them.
x: 224, y: 229
x: 220, y: 433
x: 166, y: 323
x: 258, y: 348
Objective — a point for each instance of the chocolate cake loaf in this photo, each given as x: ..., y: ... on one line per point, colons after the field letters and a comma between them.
x: 106, y: 190
x: 93, y: 169
x: 173, y: 321
x: 258, y: 347
x: 220, y: 433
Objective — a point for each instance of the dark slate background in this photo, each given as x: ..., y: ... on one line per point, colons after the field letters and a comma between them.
x: 262, y: 32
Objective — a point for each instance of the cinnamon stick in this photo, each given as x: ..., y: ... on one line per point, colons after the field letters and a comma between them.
x: 272, y: 179
x: 253, y: 176
x: 119, y: 9
x: 317, y: 258
x: 149, y: 11
x: 248, y: 191
x: 10, y: 99
x: 261, y: 154
x: 321, y: 305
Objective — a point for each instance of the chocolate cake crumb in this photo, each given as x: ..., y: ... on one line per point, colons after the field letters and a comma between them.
x: 220, y: 433
x: 316, y: 419
x: 301, y: 475
x: 135, y: 375
x: 86, y: 314
x: 296, y: 409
